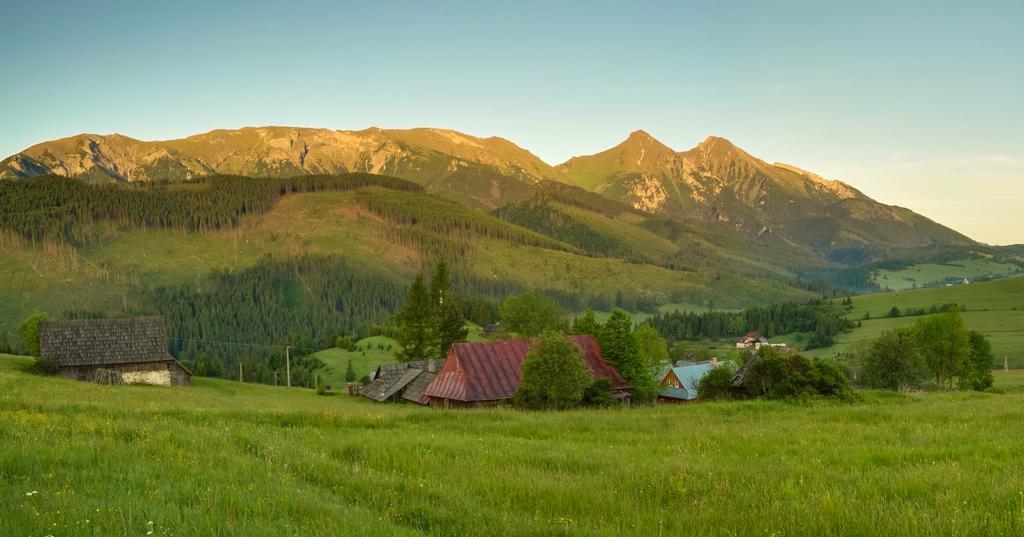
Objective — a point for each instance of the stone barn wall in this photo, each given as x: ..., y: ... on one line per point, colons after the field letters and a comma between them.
x: 158, y: 377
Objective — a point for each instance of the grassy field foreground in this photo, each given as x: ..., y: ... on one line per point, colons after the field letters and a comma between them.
x: 222, y: 458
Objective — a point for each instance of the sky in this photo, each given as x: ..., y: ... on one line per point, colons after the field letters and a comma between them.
x: 916, y: 104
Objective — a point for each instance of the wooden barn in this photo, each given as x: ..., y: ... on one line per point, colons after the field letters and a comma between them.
x: 129, y: 351
x: 486, y: 374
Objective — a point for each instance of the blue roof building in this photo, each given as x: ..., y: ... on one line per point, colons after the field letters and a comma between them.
x: 679, y: 382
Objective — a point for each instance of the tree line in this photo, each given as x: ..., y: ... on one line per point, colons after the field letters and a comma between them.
x: 822, y: 320
x: 53, y: 208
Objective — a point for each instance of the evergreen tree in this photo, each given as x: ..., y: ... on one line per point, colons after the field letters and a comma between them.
x: 440, y: 283
x: 416, y: 323
x: 350, y: 372
x: 620, y: 348
x: 585, y: 324
x: 451, y: 326
x: 448, y: 321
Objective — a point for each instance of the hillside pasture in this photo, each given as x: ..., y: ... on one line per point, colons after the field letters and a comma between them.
x: 222, y: 458
x: 366, y: 357
x: 994, y: 308
x: 923, y: 274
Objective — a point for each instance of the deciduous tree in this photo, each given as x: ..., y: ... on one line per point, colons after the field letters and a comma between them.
x: 532, y: 314
x: 620, y: 348
x: 554, y: 374
x: 28, y: 330
x: 978, y: 374
x: 892, y: 362
x: 944, y: 344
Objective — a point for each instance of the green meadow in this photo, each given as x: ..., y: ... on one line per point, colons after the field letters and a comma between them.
x: 370, y: 353
x: 223, y: 458
x: 923, y: 274
x: 994, y: 308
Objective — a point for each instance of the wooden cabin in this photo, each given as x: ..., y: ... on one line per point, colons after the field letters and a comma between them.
x: 679, y: 382
x: 117, y: 351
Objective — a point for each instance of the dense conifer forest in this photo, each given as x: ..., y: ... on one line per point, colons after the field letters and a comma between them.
x: 57, y: 208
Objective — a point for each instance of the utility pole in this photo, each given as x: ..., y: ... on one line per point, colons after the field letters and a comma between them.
x: 275, y: 377
x: 1006, y: 364
x: 240, y: 371
x: 288, y: 366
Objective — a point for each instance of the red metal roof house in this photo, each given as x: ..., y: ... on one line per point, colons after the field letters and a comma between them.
x: 481, y: 374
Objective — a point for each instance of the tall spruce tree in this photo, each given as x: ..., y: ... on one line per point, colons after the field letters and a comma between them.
x: 416, y: 329
x: 621, y: 349
x: 451, y: 327
x: 440, y: 283
x: 449, y: 324
x: 350, y: 372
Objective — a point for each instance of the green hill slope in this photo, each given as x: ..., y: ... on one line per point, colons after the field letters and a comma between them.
x: 312, y: 264
x: 994, y: 308
x: 222, y: 458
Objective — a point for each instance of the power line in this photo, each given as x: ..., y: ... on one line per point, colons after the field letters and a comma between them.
x: 237, y: 344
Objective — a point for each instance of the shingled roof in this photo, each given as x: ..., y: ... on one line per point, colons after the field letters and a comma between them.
x: 390, y: 379
x: 104, y: 341
x: 414, y: 391
x: 493, y: 371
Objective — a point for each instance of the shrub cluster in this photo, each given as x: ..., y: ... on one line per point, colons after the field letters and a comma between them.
x: 773, y: 375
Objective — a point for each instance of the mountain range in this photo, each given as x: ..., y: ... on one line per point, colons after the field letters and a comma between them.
x: 715, y: 182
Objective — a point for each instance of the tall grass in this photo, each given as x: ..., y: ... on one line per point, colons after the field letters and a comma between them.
x: 222, y: 458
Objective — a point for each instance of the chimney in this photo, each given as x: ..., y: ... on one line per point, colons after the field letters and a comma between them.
x: 430, y: 365
x: 714, y: 362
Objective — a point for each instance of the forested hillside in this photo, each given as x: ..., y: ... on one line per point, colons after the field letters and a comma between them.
x: 253, y: 264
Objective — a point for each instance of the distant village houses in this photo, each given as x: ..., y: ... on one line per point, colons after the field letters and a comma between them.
x: 475, y: 374
x: 753, y: 340
x: 112, y: 351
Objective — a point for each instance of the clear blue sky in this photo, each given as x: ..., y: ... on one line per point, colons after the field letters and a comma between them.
x: 918, y: 104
